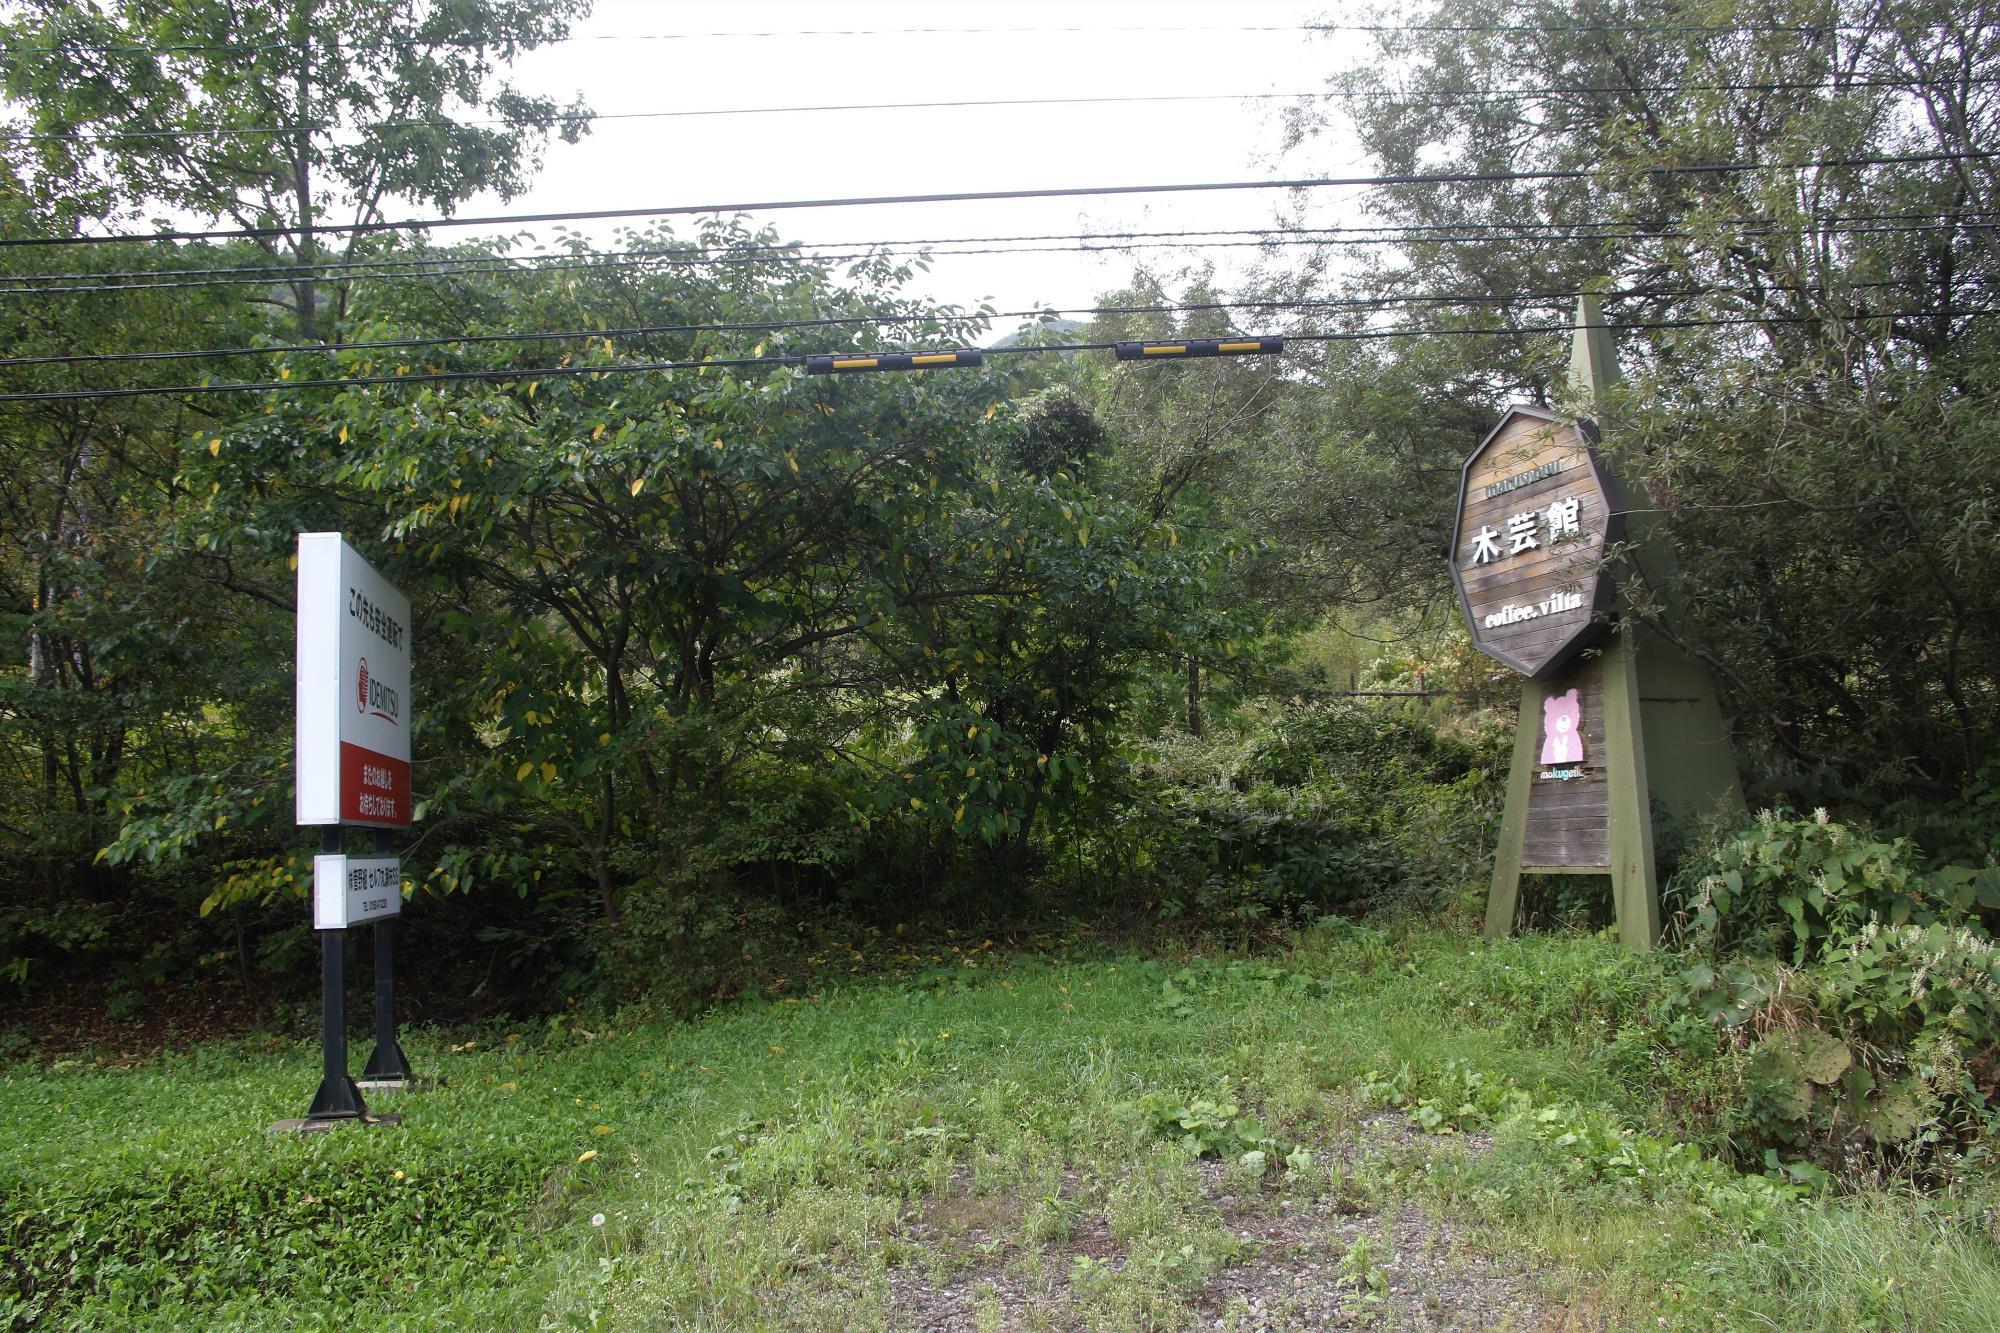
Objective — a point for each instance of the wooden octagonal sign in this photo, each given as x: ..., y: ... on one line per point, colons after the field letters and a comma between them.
x: 1534, y: 514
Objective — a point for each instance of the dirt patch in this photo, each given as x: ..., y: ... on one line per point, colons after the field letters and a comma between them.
x: 1415, y: 1272
x: 1324, y: 1259
x: 78, y: 1018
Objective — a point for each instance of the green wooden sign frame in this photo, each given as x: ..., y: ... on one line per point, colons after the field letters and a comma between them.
x: 1664, y: 741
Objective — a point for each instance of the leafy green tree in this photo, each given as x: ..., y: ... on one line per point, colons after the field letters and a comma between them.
x: 1818, y: 450
x: 139, y: 661
x: 284, y: 119
x: 115, y: 646
x: 695, y: 628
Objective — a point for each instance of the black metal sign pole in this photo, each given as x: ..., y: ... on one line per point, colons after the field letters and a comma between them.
x: 338, y: 1098
x: 387, y: 1064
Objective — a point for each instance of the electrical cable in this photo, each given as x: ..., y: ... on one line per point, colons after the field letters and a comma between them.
x: 640, y: 261
x: 982, y: 196
x: 1432, y: 97
x: 946, y: 317
x: 536, y: 373
x: 694, y: 253
x: 1681, y: 29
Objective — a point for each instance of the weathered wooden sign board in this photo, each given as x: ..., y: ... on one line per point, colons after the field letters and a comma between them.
x: 1568, y: 824
x: 1534, y: 514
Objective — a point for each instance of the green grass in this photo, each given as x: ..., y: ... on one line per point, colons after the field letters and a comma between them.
x: 778, y: 1164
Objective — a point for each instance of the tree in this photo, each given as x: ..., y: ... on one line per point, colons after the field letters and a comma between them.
x: 285, y: 119
x: 139, y: 651
x: 1819, y: 449
x: 692, y: 627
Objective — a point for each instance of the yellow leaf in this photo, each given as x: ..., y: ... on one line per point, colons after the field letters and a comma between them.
x: 991, y: 409
x: 599, y: 432
x: 602, y: 1129
x: 916, y: 803
x: 758, y: 350
x: 220, y: 820
x: 638, y: 484
x: 291, y: 562
x: 521, y: 773
x: 532, y: 386
x: 584, y: 1157
x: 604, y: 738
x: 215, y: 446
x: 970, y: 732
x: 548, y: 772
x: 343, y: 435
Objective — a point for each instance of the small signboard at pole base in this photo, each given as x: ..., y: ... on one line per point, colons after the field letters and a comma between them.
x: 353, y: 689
x: 1534, y: 514
x: 354, y: 890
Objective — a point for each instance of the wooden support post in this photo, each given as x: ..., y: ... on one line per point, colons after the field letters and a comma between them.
x: 1635, y: 887
x: 1504, y: 898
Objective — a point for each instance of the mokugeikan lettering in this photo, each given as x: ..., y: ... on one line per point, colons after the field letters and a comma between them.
x: 1553, y: 604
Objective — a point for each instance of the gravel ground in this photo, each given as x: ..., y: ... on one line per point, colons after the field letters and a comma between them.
x: 1430, y: 1273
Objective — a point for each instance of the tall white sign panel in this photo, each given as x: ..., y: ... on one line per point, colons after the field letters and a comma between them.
x: 353, y: 689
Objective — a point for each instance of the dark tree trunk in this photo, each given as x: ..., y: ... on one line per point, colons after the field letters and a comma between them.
x: 1194, y: 696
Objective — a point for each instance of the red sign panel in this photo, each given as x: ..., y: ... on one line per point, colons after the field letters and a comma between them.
x: 374, y: 788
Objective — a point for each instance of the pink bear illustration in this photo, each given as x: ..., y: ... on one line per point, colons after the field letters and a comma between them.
x: 1561, y: 743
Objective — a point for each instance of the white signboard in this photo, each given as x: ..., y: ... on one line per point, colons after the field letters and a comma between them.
x: 351, y: 890
x: 353, y: 689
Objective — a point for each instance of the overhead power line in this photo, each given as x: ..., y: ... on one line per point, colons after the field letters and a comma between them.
x: 641, y: 260
x: 537, y: 373
x: 1521, y: 29
x: 1424, y: 97
x: 695, y: 253
x: 984, y: 196
x: 877, y: 319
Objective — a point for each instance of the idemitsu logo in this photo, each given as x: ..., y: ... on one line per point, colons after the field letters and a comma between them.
x: 373, y: 697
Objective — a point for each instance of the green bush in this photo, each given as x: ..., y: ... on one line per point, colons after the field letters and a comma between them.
x: 1791, y: 886
x: 1244, y: 858
x: 1335, y: 810
x: 1870, y: 983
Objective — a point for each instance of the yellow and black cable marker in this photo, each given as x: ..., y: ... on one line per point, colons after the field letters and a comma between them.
x: 843, y: 365
x: 1186, y: 347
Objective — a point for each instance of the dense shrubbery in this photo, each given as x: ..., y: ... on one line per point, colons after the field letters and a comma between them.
x: 1336, y: 809
x: 1861, y: 982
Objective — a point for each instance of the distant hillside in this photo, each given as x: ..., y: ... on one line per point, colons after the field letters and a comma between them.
x: 1055, y: 328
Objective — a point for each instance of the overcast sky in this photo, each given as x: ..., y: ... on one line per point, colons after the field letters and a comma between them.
x: 622, y: 64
